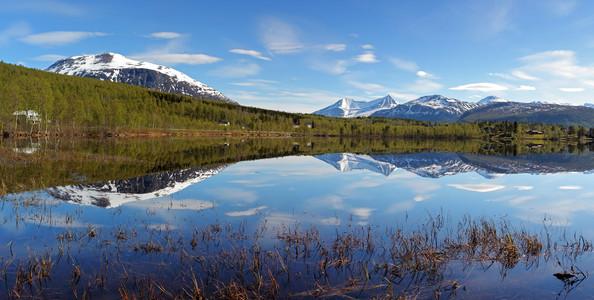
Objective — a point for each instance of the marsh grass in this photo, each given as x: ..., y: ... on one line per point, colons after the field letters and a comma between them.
x: 432, y: 259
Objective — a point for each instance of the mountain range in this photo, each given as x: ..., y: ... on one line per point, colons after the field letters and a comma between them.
x: 437, y: 108
x: 117, y: 68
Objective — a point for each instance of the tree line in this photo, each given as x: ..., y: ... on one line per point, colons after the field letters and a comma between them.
x: 68, y: 104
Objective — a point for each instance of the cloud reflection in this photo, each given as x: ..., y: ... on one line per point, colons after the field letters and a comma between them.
x: 478, y: 187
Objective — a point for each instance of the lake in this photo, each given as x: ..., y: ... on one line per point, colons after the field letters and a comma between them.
x: 290, y: 217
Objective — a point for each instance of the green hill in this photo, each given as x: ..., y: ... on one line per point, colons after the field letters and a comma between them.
x: 34, y: 101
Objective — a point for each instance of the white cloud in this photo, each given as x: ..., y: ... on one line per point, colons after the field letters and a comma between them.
x: 280, y: 37
x: 479, y: 187
x: 526, y: 88
x: 523, y: 75
x: 572, y: 90
x: 237, y: 70
x: 178, y: 58
x: 49, y: 57
x: 59, y: 38
x: 481, y: 86
x: 167, y: 35
x: 404, y: 64
x: 368, y: 57
x: 424, y: 74
x: 570, y: 187
x: 14, y: 31
x: 252, y: 53
x: 335, y: 47
x: 367, y: 47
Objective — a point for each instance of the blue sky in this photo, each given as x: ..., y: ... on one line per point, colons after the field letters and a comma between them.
x: 301, y: 56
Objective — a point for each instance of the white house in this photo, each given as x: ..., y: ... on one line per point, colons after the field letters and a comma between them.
x: 31, y: 115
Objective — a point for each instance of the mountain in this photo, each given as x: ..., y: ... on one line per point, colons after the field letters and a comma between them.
x: 350, y: 108
x: 492, y: 99
x: 115, y: 67
x: 115, y: 193
x: 429, y: 108
x: 532, y: 113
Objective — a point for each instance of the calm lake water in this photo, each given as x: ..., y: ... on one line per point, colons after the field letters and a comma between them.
x: 191, y: 214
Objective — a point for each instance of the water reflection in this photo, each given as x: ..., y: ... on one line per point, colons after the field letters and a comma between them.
x: 186, y: 212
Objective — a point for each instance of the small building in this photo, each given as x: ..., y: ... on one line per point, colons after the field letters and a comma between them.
x: 224, y: 123
x: 30, y: 115
x: 534, y: 132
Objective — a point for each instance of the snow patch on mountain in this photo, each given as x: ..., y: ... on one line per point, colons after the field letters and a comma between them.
x: 492, y: 99
x: 118, y: 68
x: 350, y: 108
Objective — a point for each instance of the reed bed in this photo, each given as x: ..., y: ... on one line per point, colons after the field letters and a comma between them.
x: 254, y: 261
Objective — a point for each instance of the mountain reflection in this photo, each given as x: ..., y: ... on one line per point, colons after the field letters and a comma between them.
x: 439, y: 164
x: 116, y: 193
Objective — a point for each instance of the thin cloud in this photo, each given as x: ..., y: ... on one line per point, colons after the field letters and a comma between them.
x: 481, y: 87
x: 404, y: 64
x: 560, y: 63
x: 423, y: 85
x: 237, y: 70
x: 59, y: 38
x: 253, y: 53
x: 14, y: 31
x: 335, y: 47
x: 49, y: 57
x: 279, y: 37
x: 244, y: 213
x: 178, y: 58
x: 48, y: 7
x: 167, y: 35
x: 367, y: 47
x: 504, y: 76
x: 332, y: 67
x: 523, y: 75
x: 368, y: 58
x: 368, y: 86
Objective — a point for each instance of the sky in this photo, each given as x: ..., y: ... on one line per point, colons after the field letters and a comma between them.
x: 301, y: 56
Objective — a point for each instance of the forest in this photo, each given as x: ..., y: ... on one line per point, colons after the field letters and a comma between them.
x: 34, y: 102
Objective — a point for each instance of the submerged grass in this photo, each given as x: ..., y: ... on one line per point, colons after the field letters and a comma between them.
x: 218, y: 260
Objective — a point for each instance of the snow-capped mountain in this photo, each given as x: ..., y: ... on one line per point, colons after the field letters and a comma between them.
x: 115, y: 193
x: 115, y: 67
x: 591, y: 105
x: 492, y: 99
x: 439, y: 164
x: 429, y: 108
x: 350, y: 108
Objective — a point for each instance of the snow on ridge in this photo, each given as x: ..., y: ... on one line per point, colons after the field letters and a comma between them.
x: 109, y: 60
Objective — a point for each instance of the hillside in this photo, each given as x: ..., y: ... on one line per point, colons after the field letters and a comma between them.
x: 532, y: 113
x: 39, y: 102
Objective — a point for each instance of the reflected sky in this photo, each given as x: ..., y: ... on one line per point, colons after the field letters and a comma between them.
x: 306, y: 190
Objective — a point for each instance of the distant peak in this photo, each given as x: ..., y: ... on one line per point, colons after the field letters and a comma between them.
x: 492, y: 99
